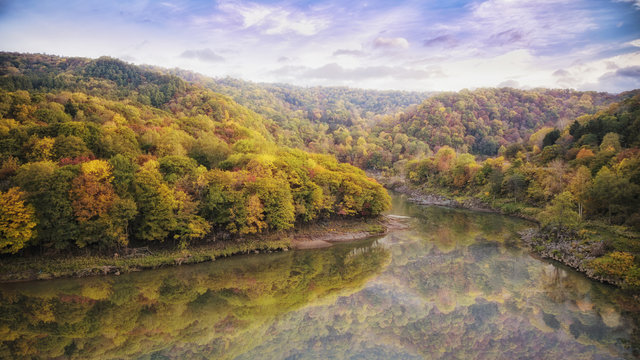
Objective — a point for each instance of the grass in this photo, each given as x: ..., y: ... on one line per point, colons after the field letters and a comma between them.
x: 44, y: 267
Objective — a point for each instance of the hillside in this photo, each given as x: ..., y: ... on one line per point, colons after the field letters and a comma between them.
x: 582, y: 183
x: 375, y: 129
x: 102, y: 154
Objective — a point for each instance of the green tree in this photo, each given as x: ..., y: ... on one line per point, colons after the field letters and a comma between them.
x: 155, y: 201
x: 611, y: 141
x: 608, y: 191
x: 48, y: 187
x: 560, y: 213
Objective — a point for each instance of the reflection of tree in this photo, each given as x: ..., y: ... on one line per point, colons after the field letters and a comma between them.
x: 556, y: 285
x: 216, y: 310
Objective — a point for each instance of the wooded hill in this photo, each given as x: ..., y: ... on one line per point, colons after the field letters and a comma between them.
x: 102, y: 153
x: 376, y: 129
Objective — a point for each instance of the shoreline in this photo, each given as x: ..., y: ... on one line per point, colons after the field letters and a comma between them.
x: 430, y: 198
x: 570, y: 252
x: 308, y: 236
x: 559, y: 251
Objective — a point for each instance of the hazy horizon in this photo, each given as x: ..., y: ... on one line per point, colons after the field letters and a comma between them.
x: 407, y: 45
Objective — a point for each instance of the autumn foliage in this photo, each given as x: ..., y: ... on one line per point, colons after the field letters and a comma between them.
x: 108, y: 154
x: 17, y: 221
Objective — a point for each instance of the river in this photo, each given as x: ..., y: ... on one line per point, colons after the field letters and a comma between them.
x: 455, y: 285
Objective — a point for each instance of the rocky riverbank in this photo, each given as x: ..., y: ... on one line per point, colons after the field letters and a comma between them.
x: 422, y: 196
x: 567, y: 248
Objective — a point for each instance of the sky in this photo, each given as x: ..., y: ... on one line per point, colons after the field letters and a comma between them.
x: 404, y: 44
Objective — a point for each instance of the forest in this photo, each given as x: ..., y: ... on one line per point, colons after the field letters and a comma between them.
x: 378, y: 130
x: 566, y: 159
x: 580, y: 183
x: 101, y: 154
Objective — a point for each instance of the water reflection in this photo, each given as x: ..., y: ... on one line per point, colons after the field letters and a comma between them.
x: 455, y: 285
x: 215, y: 310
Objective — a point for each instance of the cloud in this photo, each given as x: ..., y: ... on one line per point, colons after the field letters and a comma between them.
x: 334, y: 71
x: 446, y: 40
x: 539, y: 25
x: 509, y: 83
x: 127, y: 58
x: 505, y: 38
x: 561, y: 73
x: 476, y: 44
x: 611, y: 65
x: 564, y: 78
x: 390, y: 43
x: 274, y: 20
x: 206, y: 55
x: 629, y: 72
x: 340, y: 52
x: 636, y: 3
x: 620, y: 80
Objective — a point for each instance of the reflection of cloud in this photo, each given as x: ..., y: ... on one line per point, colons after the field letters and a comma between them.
x: 390, y: 43
x: 206, y: 55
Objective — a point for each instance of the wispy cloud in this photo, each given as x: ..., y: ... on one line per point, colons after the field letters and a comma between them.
x: 446, y: 40
x: 206, y: 55
x: 340, y: 52
x: 636, y: 3
x: 334, y: 71
x: 405, y: 44
x: 272, y: 19
x: 390, y: 43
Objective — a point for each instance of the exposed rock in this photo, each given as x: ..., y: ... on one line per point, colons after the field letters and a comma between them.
x: 567, y: 248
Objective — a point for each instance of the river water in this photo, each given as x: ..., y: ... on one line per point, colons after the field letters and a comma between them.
x: 455, y: 285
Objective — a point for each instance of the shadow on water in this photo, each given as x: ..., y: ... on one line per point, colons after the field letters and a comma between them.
x: 456, y: 284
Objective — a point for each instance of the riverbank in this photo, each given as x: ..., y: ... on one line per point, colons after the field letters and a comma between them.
x: 317, y: 235
x: 442, y: 197
x: 601, y: 252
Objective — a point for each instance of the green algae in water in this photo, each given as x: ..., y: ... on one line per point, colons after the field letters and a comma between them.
x: 454, y: 285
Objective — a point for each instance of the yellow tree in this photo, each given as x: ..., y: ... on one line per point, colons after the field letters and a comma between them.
x: 17, y: 221
x: 92, y: 193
